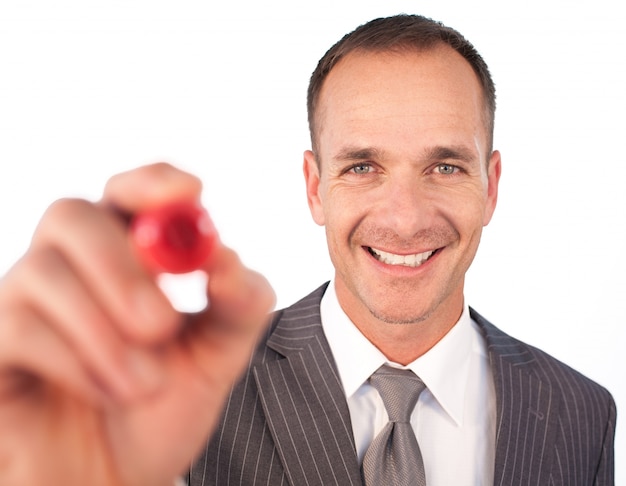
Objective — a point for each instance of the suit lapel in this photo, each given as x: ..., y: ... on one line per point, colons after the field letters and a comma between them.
x: 527, y: 414
x: 308, y: 416
x: 304, y: 402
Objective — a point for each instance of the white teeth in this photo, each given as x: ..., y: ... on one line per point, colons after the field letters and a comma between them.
x: 414, y: 260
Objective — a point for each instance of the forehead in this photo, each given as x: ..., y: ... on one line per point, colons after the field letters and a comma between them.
x: 413, y: 91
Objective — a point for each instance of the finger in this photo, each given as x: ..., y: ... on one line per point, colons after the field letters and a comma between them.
x: 202, y: 366
x: 32, y: 354
x: 237, y: 294
x: 95, y: 244
x: 47, y: 284
x: 50, y: 407
x: 150, y: 186
x: 223, y: 337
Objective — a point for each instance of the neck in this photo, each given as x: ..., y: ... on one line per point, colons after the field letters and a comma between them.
x: 403, y: 343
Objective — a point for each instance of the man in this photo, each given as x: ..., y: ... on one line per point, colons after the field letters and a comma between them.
x: 403, y: 177
x: 102, y: 383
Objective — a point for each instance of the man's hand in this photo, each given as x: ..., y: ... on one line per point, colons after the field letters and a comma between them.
x: 102, y: 382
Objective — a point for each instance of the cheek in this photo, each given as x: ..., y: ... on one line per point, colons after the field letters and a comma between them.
x: 464, y: 208
x: 337, y: 246
x: 341, y: 217
x: 336, y: 225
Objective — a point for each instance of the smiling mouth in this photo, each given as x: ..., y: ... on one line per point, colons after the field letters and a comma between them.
x: 413, y: 260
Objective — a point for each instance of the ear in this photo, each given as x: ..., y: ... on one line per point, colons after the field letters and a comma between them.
x: 493, y: 179
x: 312, y: 179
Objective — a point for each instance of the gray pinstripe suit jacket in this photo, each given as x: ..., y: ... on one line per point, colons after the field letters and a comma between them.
x: 287, y: 420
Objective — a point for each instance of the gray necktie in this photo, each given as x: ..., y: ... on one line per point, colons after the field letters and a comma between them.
x: 394, y: 458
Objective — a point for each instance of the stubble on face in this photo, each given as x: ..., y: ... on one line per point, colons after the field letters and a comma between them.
x: 403, y: 111
x: 403, y: 289
x: 377, y: 237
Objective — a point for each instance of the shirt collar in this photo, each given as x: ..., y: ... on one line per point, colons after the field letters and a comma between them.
x: 444, y: 368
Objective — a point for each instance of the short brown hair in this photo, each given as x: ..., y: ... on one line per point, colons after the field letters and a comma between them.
x: 398, y: 33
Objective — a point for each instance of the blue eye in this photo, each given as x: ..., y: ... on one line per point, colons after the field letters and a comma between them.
x: 361, y: 168
x: 446, y: 169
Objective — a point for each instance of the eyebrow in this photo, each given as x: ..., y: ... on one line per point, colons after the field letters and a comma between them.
x: 353, y: 153
x: 455, y: 152
x: 439, y: 152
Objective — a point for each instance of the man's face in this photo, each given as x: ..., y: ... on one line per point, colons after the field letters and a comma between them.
x: 404, y: 185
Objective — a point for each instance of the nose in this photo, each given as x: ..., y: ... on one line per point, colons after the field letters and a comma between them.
x: 406, y: 207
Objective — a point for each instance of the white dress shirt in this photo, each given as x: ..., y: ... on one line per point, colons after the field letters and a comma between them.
x: 454, y: 419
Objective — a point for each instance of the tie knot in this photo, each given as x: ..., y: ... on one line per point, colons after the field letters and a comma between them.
x: 399, y: 390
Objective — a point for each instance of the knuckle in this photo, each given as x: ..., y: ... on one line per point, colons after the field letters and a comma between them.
x: 40, y: 261
x: 66, y: 208
x: 164, y: 171
x: 39, y: 264
x: 17, y: 324
x: 60, y: 214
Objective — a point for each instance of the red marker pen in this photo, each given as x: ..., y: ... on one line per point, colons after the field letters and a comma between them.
x: 177, y: 238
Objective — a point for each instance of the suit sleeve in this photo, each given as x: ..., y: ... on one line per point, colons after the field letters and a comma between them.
x: 606, y: 467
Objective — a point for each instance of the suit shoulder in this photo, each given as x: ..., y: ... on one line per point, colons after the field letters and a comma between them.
x: 515, y: 354
x: 289, y: 325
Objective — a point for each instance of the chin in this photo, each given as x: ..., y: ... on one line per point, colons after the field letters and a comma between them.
x: 391, y: 317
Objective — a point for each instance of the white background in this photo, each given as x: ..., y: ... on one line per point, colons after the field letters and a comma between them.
x: 88, y: 89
